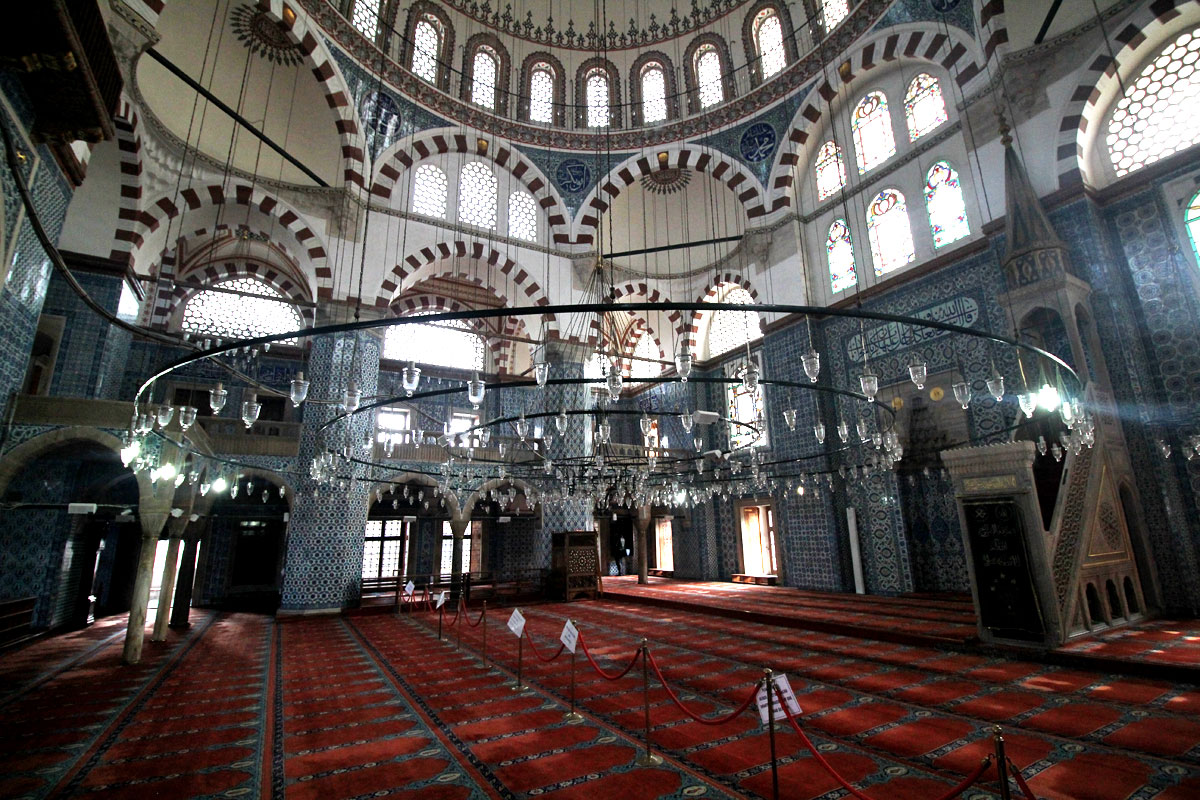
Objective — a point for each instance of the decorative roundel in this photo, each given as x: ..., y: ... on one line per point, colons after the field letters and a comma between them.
x: 758, y: 142
x: 380, y: 113
x: 573, y: 176
x: 942, y: 6
x: 936, y: 394
x: 263, y: 36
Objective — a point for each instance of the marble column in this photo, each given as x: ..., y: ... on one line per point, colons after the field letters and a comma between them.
x: 642, y: 523
x: 181, y: 607
x: 325, y: 535
x: 459, y: 528
x: 153, y: 515
x: 175, y: 531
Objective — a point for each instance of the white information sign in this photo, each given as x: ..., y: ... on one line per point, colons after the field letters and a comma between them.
x: 441, y: 600
x: 785, y: 689
x: 570, y: 636
x: 516, y: 623
x: 409, y: 588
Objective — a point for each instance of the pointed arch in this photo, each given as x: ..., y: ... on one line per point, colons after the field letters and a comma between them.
x: 722, y: 284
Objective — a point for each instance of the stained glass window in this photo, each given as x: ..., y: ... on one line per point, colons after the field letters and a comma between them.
x: 429, y: 191
x: 924, y: 106
x: 483, y: 78
x: 944, y: 202
x: 1155, y: 118
x: 246, y: 308
x: 365, y: 17
x: 708, y: 76
x: 730, y: 329
x: 833, y: 12
x: 522, y: 216
x: 477, y: 195
x: 645, y: 355
x: 890, y: 233
x: 449, y: 343
x: 839, y: 249
x: 541, y: 93
x: 427, y: 45
x: 746, y: 407
x: 598, y: 112
x: 654, y: 93
x: 770, y: 43
x: 831, y: 170
x: 872, y: 125
x: 1191, y: 218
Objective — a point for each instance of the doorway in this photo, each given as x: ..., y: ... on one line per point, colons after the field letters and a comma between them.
x: 664, y: 546
x: 759, y: 553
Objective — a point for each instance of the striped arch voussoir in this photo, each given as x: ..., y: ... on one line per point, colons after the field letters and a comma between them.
x: 174, y: 295
x: 129, y: 146
x: 417, y: 304
x: 651, y: 296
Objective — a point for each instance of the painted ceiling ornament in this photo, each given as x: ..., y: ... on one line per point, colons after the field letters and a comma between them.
x: 263, y: 36
x: 667, y: 181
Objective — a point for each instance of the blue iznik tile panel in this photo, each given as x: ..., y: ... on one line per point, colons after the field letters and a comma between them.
x: 755, y: 143
x: 574, y: 173
x: 85, y: 366
x: 959, y: 13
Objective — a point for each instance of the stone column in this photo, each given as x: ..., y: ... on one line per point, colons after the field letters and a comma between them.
x: 175, y: 531
x: 566, y: 361
x: 459, y: 528
x: 642, y: 542
x: 153, y: 515
x: 325, y: 534
x: 181, y: 607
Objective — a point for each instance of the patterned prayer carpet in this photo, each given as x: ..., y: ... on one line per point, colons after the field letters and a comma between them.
x: 918, y: 620
x: 1160, y: 641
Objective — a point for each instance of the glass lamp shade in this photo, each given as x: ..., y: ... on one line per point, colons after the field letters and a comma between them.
x: 233, y: 490
x: 614, y: 381
x: 843, y: 430
x: 522, y: 427
x: 352, y: 399
x: 485, y: 436
x: 651, y: 461
x: 1057, y: 452
x: 165, y: 413
x: 541, y: 373
x: 205, y: 487
x: 1047, y: 397
x: 869, y: 382
x: 646, y: 424
x: 863, y: 431
x: 819, y: 432
x: 475, y: 391
x: 1041, y: 445
x: 995, y: 387
x: 962, y: 393
x: 217, y: 398
x: 1028, y: 403
x: 683, y: 364
x: 265, y: 495
x: 812, y: 365
x: 1067, y: 412
x: 750, y: 377
x: 699, y: 443
x: 250, y: 411
x: 687, y: 421
x: 548, y: 466
x: 917, y: 374
x: 299, y: 390
x: 789, y: 417
x: 410, y: 378
x: 560, y: 422
x: 603, y: 432
x: 187, y: 417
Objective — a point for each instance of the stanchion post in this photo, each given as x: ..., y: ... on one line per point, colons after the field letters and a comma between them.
x: 769, y: 688
x: 458, y: 630
x: 1001, y: 763
x: 483, y: 622
x: 441, y: 610
x: 518, y: 686
x: 573, y: 715
x: 647, y: 759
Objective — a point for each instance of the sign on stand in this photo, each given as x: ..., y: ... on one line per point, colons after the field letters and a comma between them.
x: 516, y: 623
x: 409, y: 588
x: 441, y: 600
x: 570, y: 636
x: 785, y: 689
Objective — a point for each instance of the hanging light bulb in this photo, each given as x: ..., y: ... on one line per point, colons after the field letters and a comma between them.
x: 541, y: 372
x: 683, y: 362
x: 410, y: 378
x: 265, y: 495
x: 352, y: 398
x: 164, y: 415
x: 205, y: 486
x: 475, y: 391
x: 995, y: 387
x: 1028, y: 403
x: 1047, y: 397
x: 217, y: 397
x: 560, y: 422
x: 250, y: 410
x: 869, y: 382
x: 917, y: 373
x: 522, y: 427
x: 962, y: 393
x: 843, y: 431
x: 614, y: 382
x: 299, y: 391
x: 687, y: 421
x: 812, y: 364
x: 750, y: 377
x: 819, y: 432
x: 234, y: 488
x: 789, y: 417
x: 219, y: 484
x: 282, y: 491
x: 646, y: 424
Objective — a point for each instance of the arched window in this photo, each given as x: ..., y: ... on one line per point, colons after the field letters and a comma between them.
x: 1191, y: 218
x: 839, y: 250
x: 731, y: 329
x: 872, y: 125
x: 830, y: 169
x: 833, y: 12
x: 598, y: 112
x: 483, y: 77
x: 427, y: 46
x: 522, y: 216
x: 429, y: 191
x: 654, y: 93
x: 924, y: 106
x: 541, y: 93
x: 365, y: 16
x: 646, y: 356
x: 449, y: 343
x: 944, y: 202
x: 477, y: 195
x: 890, y: 233
x: 768, y: 36
x: 1154, y: 118
x: 240, y: 308
x: 708, y: 76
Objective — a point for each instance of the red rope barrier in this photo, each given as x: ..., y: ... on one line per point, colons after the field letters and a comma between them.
x: 702, y: 720
x: 477, y: 623
x: 950, y: 795
x: 457, y: 608
x: 1020, y: 779
x: 533, y: 647
x: 598, y: 668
